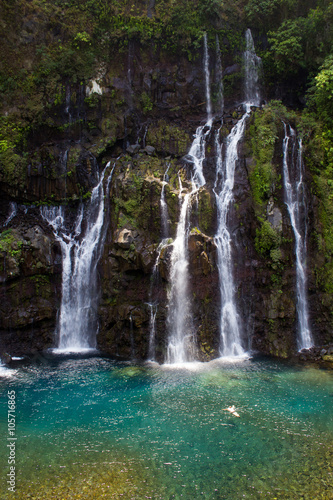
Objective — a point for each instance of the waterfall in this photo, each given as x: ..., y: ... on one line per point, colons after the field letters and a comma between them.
x: 129, y: 73
x: 219, y: 77
x: 181, y: 344
x: 230, y: 323
x: 63, y: 160
x: 164, y: 207
x: 253, y: 66
x: 152, y: 330
x: 68, y: 103
x: 296, y: 203
x: 153, y: 304
x: 132, y: 337
x: 12, y: 213
x: 207, y: 79
x: 81, y: 250
x: 180, y: 347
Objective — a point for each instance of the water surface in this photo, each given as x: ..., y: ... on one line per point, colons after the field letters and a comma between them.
x: 96, y: 428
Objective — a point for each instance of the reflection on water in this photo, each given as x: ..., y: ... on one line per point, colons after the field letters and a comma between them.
x: 97, y: 428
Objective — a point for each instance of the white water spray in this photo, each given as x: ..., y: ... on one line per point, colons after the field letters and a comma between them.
x: 219, y: 77
x: 230, y: 322
x: 181, y: 344
x: 180, y: 347
x: 81, y: 250
x: 207, y: 79
x: 164, y: 207
x: 12, y: 213
x: 295, y: 201
x: 153, y: 303
x: 253, y: 67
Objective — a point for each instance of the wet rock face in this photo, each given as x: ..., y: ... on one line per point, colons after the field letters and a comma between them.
x: 30, y: 270
x: 144, y: 112
x: 31, y: 267
x: 140, y: 111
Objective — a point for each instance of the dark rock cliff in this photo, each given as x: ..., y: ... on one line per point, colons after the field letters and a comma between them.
x: 140, y: 113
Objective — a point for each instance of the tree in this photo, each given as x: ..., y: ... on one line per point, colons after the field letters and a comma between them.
x: 322, y: 91
x: 286, y: 46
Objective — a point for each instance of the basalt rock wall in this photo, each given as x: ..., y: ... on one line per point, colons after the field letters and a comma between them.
x: 140, y: 113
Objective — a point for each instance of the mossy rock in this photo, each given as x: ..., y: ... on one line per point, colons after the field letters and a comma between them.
x: 328, y: 358
x: 168, y: 139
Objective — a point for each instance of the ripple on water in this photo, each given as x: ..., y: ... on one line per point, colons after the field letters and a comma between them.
x: 100, y: 429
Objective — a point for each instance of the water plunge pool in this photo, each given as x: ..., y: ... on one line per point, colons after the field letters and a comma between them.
x: 96, y: 428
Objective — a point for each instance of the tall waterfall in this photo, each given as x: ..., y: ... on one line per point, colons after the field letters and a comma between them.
x: 207, y: 79
x: 179, y: 317
x: 230, y: 321
x: 296, y: 203
x: 12, y: 214
x: 153, y: 303
x: 219, y: 77
x: 81, y: 250
x: 181, y: 342
x: 164, y: 207
x: 253, y: 66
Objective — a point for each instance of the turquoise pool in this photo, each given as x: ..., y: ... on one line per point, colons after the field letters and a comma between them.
x: 96, y: 428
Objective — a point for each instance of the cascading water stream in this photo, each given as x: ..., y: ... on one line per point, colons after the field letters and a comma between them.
x: 230, y: 321
x: 12, y: 214
x: 153, y: 304
x: 164, y: 207
x: 253, y: 66
x: 63, y: 162
x: 180, y: 347
x: 132, y: 337
x: 207, y: 80
x: 181, y: 344
x: 219, y: 77
x: 296, y: 203
x: 152, y: 329
x: 81, y: 250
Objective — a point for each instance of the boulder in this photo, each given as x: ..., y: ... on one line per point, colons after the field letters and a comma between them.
x: 133, y: 149
x: 124, y: 238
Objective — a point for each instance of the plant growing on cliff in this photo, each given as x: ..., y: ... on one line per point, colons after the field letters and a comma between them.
x: 286, y: 45
x: 267, y: 238
x: 146, y: 102
x: 264, y: 134
x: 267, y: 243
x: 12, y: 141
x: 321, y: 93
x: 10, y: 244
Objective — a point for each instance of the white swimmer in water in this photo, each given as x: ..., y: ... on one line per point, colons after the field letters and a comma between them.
x: 232, y: 409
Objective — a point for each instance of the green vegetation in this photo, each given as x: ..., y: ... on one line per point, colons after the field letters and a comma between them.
x: 267, y: 239
x: 264, y: 134
x: 49, y: 57
x: 265, y: 131
x: 319, y: 153
x: 321, y: 94
x: 12, y: 142
x: 168, y: 138
x: 205, y: 212
x: 146, y: 102
x: 10, y: 244
x: 267, y: 244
